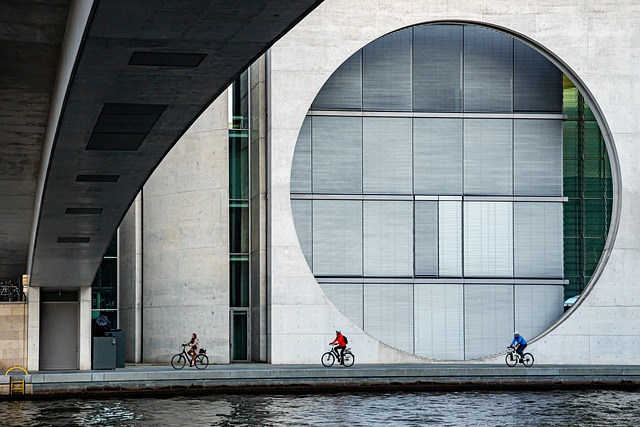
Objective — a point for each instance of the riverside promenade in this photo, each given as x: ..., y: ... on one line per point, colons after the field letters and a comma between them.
x: 138, y: 380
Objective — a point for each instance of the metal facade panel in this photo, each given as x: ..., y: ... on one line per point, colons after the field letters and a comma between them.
x: 337, y: 237
x: 450, y: 238
x: 387, y: 156
x: 302, y: 218
x: 437, y: 68
x: 336, y: 149
x: 537, y: 83
x: 343, y: 90
x: 388, y: 238
x: 537, y: 157
x: 537, y: 307
x: 348, y: 298
x: 426, y: 238
x: 488, y: 239
x: 388, y: 314
x: 301, y: 164
x: 438, y: 317
x: 488, y: 71
x: 488, y: 319
x: 538, y: 240
x: 437, y: 156
x: 386, y: 71
x: 488, y: 162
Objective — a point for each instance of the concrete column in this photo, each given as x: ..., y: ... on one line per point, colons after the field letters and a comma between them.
x: 33, y: 329
x: 137, y: 329
x: 258, y: 111
x: 130, y: 283
x: 84, y: 338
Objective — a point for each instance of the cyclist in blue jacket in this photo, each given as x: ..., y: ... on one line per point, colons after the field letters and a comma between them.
x: 519, y: 343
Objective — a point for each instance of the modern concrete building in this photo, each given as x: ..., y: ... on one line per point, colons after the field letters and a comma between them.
x: 508, y: 272
x: 427, y: 177
x: 434, y: 181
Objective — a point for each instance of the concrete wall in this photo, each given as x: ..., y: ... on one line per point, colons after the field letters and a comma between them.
x: 258, y: 135
x: 597, y: 42
x: 13, y: 335
x: 130, y: 280
x: 33, y: 330
x: 84, y: 330
x: 185, y: 217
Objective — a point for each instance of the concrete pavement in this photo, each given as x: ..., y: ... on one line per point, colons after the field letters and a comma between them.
x: 257, y: 378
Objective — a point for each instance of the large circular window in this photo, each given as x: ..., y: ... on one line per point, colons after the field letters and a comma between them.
x: 439, y: 188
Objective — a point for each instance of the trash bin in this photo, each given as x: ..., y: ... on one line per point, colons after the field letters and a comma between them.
x: 120, y: 349
x: 104, y: 352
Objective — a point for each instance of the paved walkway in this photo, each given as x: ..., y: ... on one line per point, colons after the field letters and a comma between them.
x: 242, y: 378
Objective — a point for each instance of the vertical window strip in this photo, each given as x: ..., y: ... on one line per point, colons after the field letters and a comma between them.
x: 426, y: 238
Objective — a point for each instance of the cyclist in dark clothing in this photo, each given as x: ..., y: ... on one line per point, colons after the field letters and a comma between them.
x: 341, y: 345
x: 519, y: 343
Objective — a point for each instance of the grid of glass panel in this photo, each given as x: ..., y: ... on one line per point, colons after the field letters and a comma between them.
x: 239, y: 217
x: 104, y: 290
x: 589, y: 188
x: 429, y: 173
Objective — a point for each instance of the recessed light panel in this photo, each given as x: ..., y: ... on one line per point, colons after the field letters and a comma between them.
x: 73, y: 239
x: 123, y: 127
x: 167, y: 59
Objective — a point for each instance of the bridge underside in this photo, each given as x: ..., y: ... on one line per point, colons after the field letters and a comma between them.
x: 144, y: 72
x: 30, y: 38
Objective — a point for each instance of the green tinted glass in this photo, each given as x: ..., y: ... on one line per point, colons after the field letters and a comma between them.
x: 588, y: 187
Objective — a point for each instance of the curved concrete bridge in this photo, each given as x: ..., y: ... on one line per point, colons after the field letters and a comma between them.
x: 93, y: 95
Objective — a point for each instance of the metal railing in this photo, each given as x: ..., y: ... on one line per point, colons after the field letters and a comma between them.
x: 17, y: 382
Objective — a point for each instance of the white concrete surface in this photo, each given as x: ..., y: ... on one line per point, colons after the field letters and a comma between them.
x: 186, y: 243
x: 258, y: 194
x: 84, y: 339
x: 595, y: 41
x: 33, y: 329
x: 130, y: 280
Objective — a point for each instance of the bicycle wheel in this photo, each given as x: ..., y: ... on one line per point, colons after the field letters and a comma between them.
x: 178, y: 361
x: 328, y: 359
x: 349, y: 358
x: 527, y: 360
x: 201, y: 361
x: 511, y: 359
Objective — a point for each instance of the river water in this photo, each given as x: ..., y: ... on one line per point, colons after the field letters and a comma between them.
x: 552, y: 408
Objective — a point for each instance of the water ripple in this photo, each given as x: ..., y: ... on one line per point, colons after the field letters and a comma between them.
x: 553, y: 408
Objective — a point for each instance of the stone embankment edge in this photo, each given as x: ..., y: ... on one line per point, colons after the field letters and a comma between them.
x: 134, y: 384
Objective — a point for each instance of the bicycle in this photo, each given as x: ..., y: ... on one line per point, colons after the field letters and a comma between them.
x: 329, y: 358
x: 201, y: 360
x: 513, y: 358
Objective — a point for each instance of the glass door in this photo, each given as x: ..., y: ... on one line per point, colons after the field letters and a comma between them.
x: 239, y: 335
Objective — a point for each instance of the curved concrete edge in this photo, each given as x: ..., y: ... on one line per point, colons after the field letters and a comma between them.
x: 78, y: 17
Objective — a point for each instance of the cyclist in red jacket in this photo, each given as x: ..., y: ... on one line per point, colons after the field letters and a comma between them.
x: 341, y: 345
